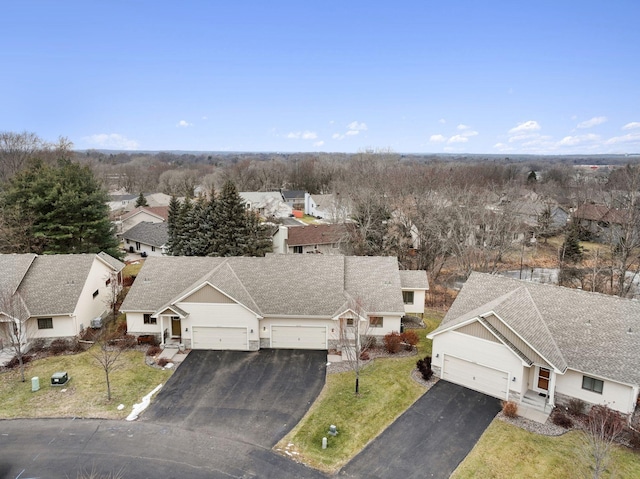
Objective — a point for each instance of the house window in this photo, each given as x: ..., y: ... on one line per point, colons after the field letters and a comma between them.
x: 407, y: 297
x: 127, y: 241
x: 153, y: 248
x: 137, y: 245
x: 96, y: 293
x: 107, y: 282
x: 297, y: 249
x: 375, y: 321
x: 149, y: 320
x: 45, y: 323
x: 592, y: 384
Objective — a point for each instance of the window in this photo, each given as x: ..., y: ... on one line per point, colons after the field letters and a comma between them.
x: 137, y: 245
x: 297, y: 249
x: 407, y: 297
x: 107, y: 282
x: 375, y: 321
x: 96, y: 293
x: 149, y: 320
x: 45, y: 323
x: 592, y: 384
x: 153, y: 248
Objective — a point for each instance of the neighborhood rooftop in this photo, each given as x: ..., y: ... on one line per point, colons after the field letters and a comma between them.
x: 154, y: 234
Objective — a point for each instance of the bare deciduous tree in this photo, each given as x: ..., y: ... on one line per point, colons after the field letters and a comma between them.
x: 603, y: 428
x: 354, y: 328
x: 14, y: 326
x: 107, y: 356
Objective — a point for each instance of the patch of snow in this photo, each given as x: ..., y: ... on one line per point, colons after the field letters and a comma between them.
x: 120, y: 407
x: 141, y: 406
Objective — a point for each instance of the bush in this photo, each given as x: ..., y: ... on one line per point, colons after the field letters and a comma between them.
x: 14, y: 363
x: 424, y: 366
x: 509, y: 409
x: 58, y: 346
x: 392, y: 342
x: 561, y: 419
x: 410, y: 338
x: 576, y: 407
x: 162, y: 362
x: 364, y: 356
x: 154, y: 350
x: 634, y: 439
x: 127, y: 341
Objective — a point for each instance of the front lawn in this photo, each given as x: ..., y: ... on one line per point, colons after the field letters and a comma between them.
x: 86, y: 392
x: 386, y: 391
x: 505, y: 451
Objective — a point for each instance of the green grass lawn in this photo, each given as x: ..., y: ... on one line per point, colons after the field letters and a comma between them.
x: 132, y: 269
x: 86, y: 392
x: 505, y: 452
x: 386, y: 391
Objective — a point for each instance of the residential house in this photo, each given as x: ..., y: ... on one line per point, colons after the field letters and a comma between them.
x: 147, y: 239
x: 321, y: 239
x: 529, y: 212
x: 54, y: 296
x: 266, y: 203
x: 122, y: 201
x: 150, y: 214
x: 328, y: 207
x: 157, y: 199
x: 279, y: 301
x: 294, y: 198
x: 414, y: 285
x: 540, y: 345
x: 600, y: 221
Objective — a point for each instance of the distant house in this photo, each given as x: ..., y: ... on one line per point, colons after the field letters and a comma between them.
x: 54, y: 296
x: 157, y: 199
x: 150, y: 214
x: 121, y: 201
x: 530, y: 212
x: 266, y: 203
x: 540, y: 345
x: 278, y: 301
x: 602, y: 222
x: 328, y: 207
x: 321, y: 239
x: 147, y: 239
x: 294, y: 198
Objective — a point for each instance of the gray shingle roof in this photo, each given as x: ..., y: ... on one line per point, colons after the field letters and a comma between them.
x: 589, y: 332
x: 412, y: 279
x: 309, y: 285
x: 153, y: 234
x: 117, y: 265
x: 13, y: 267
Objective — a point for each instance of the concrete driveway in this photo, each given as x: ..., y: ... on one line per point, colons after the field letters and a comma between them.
x: 430, y: 439
x: 254, y: 397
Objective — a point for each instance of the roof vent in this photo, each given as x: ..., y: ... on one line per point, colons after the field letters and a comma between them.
x: 588, y: 322
x: 629, y: 331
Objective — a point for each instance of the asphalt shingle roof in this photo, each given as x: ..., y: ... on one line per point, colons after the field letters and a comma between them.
x: 412, y: 279
x: 300, y: 285
x: 588, y: 332
x: 154, y: 234
x: 316, y: 234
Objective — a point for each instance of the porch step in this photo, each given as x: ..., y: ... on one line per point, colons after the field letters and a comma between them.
x: 533, y: 400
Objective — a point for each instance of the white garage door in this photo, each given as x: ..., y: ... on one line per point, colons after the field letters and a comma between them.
x: 299, y: 337
x: 212, y: 337
x: 474, y: 376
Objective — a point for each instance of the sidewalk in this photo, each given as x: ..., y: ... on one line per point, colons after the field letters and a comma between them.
x: 6, y: 355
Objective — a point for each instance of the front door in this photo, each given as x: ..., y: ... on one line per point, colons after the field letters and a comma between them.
x: 543, y: 379
x: 175, y: 326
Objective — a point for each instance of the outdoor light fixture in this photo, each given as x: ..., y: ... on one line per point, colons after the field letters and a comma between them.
x: 437, y: 355
x: 513, y: 379
x: 252, y: 331
x: 333, y: 330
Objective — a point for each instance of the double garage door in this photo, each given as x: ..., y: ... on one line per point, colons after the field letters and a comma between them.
x: 299, y: 337
x: 214, y: 337
x: 475, y: 376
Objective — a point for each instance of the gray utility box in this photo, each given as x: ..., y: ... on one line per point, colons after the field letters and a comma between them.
x: 59, y: 378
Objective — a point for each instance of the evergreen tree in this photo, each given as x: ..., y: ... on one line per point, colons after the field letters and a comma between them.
x: 57, y: 209
x: 209, y: 224
x: 141, y: 201
x: 184, y: 227
x: 231, y: 235
x: 172, y: 225
x: 571, y: 250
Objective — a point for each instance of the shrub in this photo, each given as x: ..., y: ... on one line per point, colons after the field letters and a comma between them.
x: 634, y: 439
x: 154, y: 350
x: 509, y: 409
x: 561, y: 419
x: 392, y: 342
x: 38, y: 344
x: 121, y: 327
x: 162, y: 362
x: 14, y: 363
x: 368, y: 342
x: 576, y: 407
x: 127, y: 341
x: 58, y: 346
x: 424, y: 366
x: 364, y: 355
x: 410, y: 338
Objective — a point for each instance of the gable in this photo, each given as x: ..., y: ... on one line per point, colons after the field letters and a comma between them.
x: 208, y: 294
x: 477, y: 330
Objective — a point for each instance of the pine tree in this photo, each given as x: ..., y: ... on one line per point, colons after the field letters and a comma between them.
x: 141, y: 201
x: 231, y: 236
x: 571, y: 249
x: 184, y: 227
x: 58, y: 209
x: 172, y: 226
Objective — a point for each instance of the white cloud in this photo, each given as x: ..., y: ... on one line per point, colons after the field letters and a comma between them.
x: 183, y: 124
x: 318, y: 143
x: 458, y: 139
x: 530, y: 125
x: 205, y: 118
x: 442, y: 120
x: 502, y: 147
x: 437, y: 139
x: 631, y: 126
x: 524, y: 136
x: 576, y: 140
x: 112, y: 141
x: 628, y: 138
x: 355, y: 126
x: 353, y: 132
x: 596, y: 120
x: 463, y: 127
x: 305, y: 135
x: 337, y: 136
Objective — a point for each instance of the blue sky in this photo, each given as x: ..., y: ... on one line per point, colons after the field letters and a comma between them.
x: 494, y: 77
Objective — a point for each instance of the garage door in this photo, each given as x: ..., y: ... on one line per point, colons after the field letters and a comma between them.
x: 211, y: 337
x: 474, y: 376
x: 299, y: 337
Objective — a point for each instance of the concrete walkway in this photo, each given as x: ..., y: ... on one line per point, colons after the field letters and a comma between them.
x: 6, y: 355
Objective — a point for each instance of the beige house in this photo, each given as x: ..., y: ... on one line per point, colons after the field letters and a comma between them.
x: 279, y: 301
x: 540, y: 345
x: 53, y: 296
x: 414, y: 289
x: 320, y: 239
x: 150, y: 214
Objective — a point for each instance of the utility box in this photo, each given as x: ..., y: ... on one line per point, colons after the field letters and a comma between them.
x: 35, y: 384
x: 96, y: 323
x: 59, y: 378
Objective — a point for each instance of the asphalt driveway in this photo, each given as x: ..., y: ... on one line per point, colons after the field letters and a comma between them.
x: 253, y: 397
x: 430, y: 439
